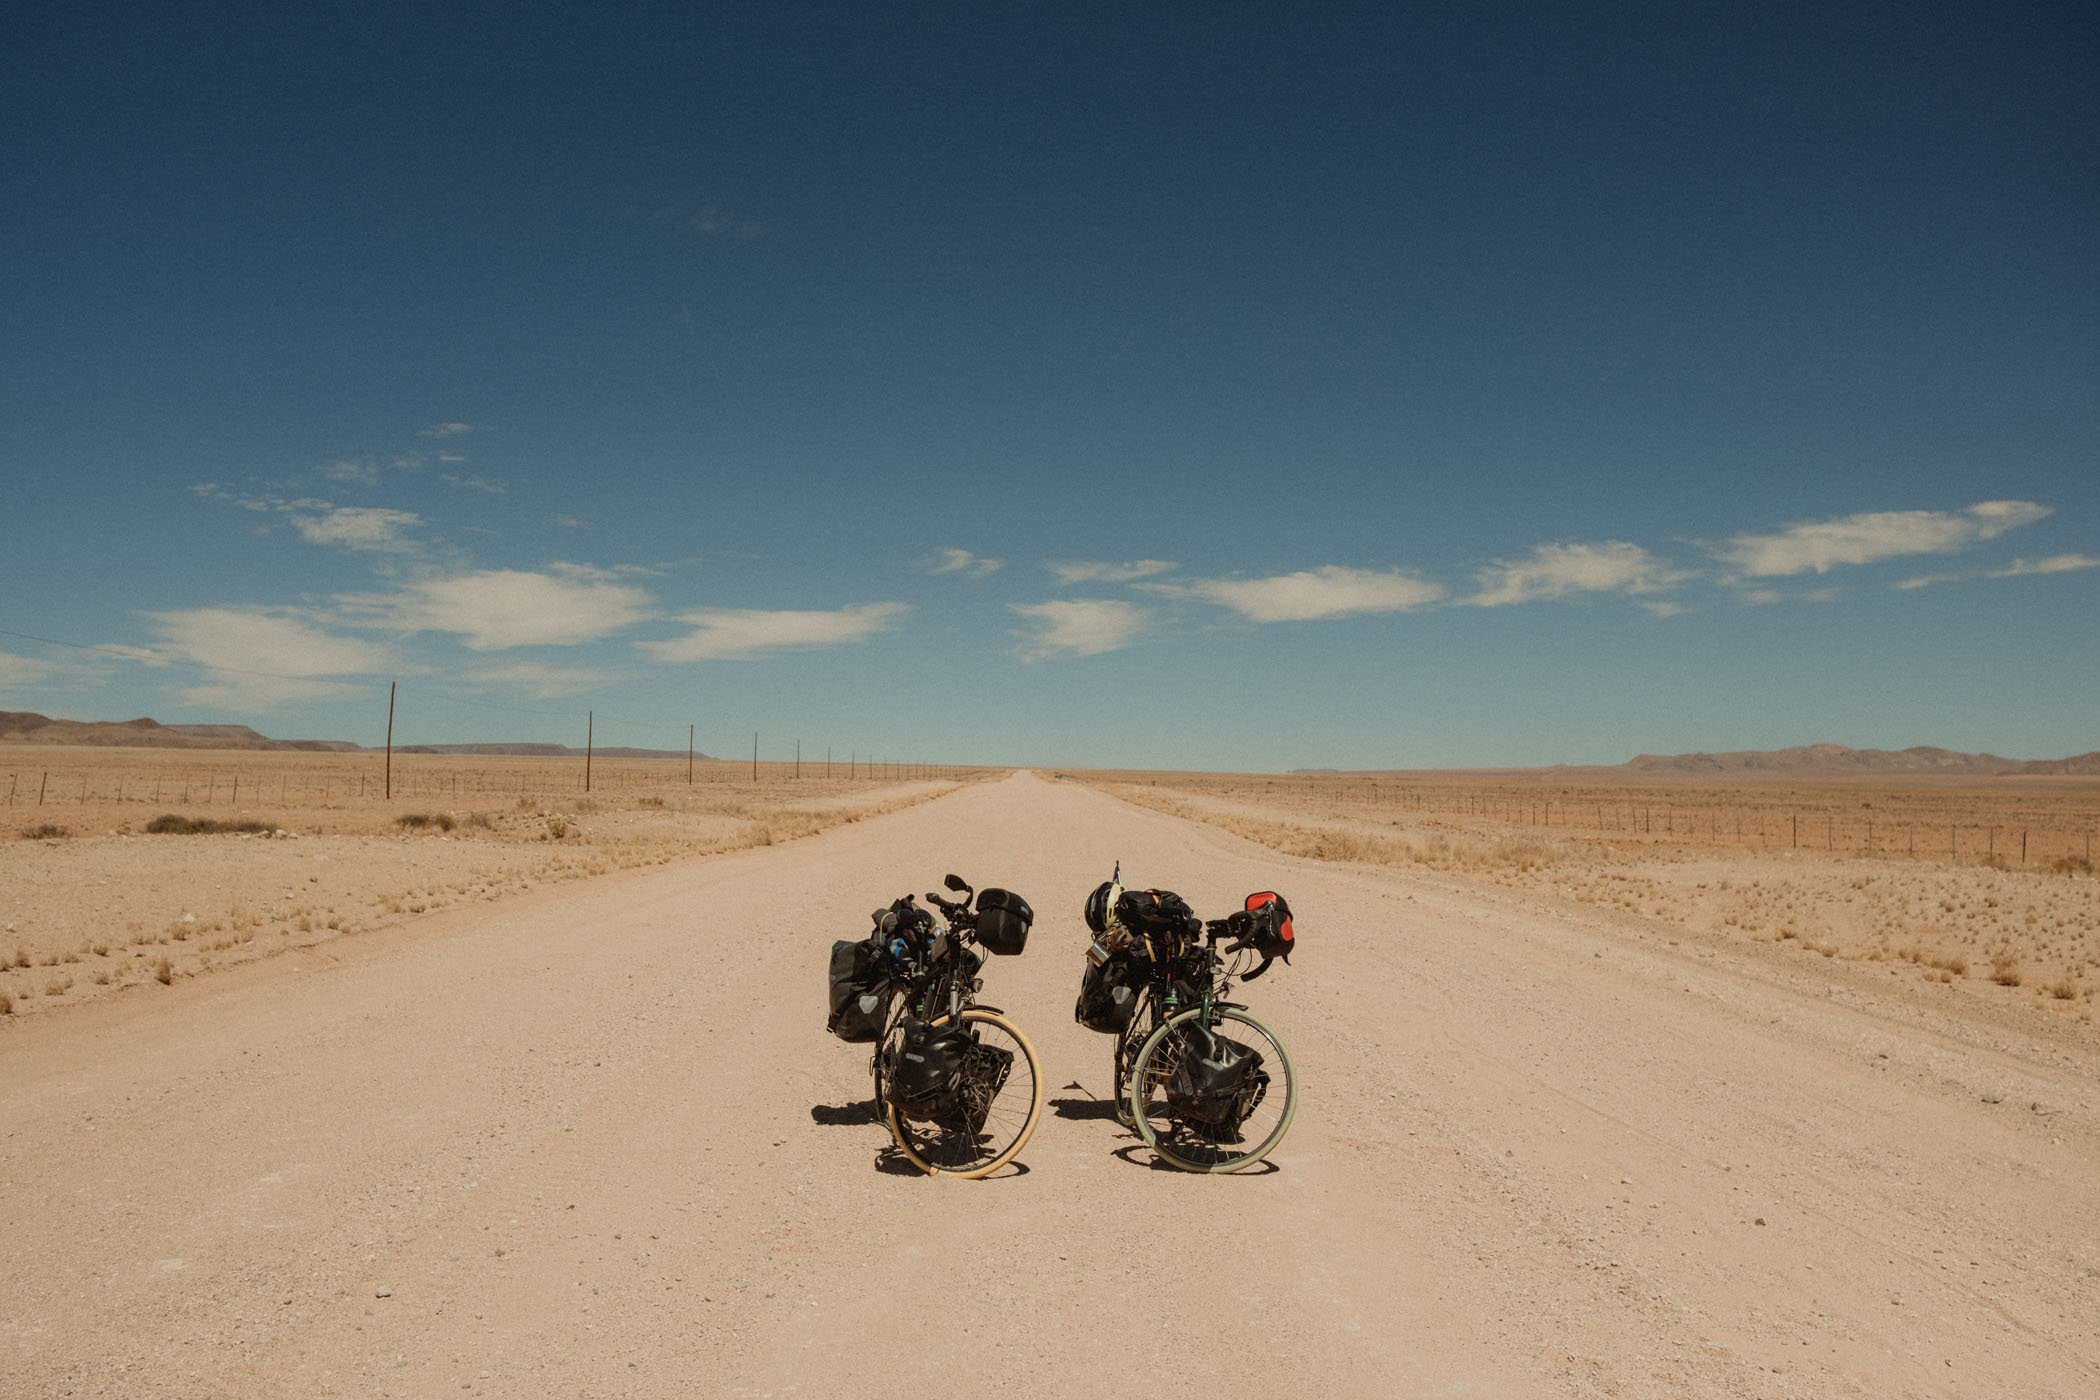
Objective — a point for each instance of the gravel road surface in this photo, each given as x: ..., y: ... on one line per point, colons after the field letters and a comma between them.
x: 597, y: 1143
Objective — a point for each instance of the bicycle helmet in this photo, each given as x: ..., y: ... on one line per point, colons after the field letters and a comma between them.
x: 1097, y: 911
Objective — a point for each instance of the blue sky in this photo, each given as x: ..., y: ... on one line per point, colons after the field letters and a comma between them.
x: 1184, y: 385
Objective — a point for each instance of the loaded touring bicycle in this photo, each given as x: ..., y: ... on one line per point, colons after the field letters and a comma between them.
x: 957, y: 1082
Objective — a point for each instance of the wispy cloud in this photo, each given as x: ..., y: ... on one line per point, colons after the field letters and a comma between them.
x: 1328, y: 591
x: 960, y: 561
x: 1555, y: 570
x: 473, y: 483
x: 351, y: 472
x: 722, y: 225
x: 256, y: 660
x: 537, y: 681
x: 2054, y: 564
x: 1821, y: 545
x: 18, y: 671
x: 447, y: 430
x: 495, y: 609
x: 372, y: 529
x: 721, y: 634
x: 1078, y: 627
x: 1084, y: 571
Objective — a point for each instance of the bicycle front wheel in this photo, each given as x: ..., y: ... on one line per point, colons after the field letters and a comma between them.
x: 1217, y: 1138
x: 997, y: 1107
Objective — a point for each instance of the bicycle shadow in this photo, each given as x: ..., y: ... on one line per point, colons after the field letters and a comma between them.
x: 1264, y: 1167
x: 889, y: 1159
x: 846, y: 1115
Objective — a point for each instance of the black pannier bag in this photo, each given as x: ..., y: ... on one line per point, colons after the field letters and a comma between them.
x: 860, y: 991
x: 1217, y: 1080
x: 1003, y: 918
x: 984, y: 1072
x: 927, y: 1073
x: 1161, y: 924
x: 1108, y: 994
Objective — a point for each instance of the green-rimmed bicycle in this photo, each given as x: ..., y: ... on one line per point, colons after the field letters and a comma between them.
x: 1208, y: 1086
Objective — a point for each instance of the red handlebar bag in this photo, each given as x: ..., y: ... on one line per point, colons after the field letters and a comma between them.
x: 1279, y: 943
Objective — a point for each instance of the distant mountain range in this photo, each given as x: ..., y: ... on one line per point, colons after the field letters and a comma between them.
x: 1836, y: 758
x: 25, y: 727
x: 1824, y: 760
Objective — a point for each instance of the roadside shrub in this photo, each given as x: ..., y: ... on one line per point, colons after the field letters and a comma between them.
x: 2005, y: 970
x: 173, y: 825
x: 162, y: 972
x: 416, y: 821
x: 47, y: 831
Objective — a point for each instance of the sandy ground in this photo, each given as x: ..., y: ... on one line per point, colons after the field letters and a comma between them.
x: 109, y: 908
x: 593, y: 1141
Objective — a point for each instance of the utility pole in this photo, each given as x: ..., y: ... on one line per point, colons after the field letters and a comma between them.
x: 390, y: 739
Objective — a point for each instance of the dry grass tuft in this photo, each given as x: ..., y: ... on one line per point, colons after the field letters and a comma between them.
x: 2005, y: 970
x: 417, y: 821
x: 170, y: 824
x: 45, y: 831
x: 7, y: 1004
x: 163, y: 973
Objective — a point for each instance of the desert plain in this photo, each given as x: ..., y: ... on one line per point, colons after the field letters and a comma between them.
x: 495, y: 1086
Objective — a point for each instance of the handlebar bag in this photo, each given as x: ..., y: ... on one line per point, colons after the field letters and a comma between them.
x: 1270, y: 934
x: 1003, y: 918
x: 1209, y: 1081
x: 860, y: 991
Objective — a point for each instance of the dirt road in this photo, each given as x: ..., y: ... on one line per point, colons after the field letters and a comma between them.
x: 599, y: 1145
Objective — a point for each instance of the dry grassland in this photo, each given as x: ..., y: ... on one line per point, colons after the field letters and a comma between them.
x: 1923, y: 876
x: 141, y: 866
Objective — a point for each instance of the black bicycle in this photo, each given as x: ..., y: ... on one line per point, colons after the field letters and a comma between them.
x: 958, y: 1083
x: 1207, y: 1085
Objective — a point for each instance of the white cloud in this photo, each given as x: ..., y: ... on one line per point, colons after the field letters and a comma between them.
x: 493, y: 609
x: 447, y: 430
x: 1821, y: 545
x: 960, y: 561
x: 1082, y: 571
x: 357, y: 473
x: 570, y: 522
x: 540, y: 682
x: 373, y: 529
x: 2054, y: 564
x: 473, y: 483
x: 732, y: 633
x: 1554, y: 570
x: 1328, y: 591
x: 22, y: 670
x: 257, y: 661
x: 1083, y: 627
x: 2019, y: 568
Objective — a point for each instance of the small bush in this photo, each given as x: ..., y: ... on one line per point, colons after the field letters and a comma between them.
x: 2071, y: 865
x: 172, y: 825
x: 416, y: 821
x: 162, y: 972
x: 557, y: 828
x: 2005, y: 970
x: 2065, y: 990
x: 47, y: 831
x: 7, y: 1004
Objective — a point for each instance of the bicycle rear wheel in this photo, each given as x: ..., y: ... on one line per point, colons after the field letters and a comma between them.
x: 1245, y: 1136
x: 1003, y: 1101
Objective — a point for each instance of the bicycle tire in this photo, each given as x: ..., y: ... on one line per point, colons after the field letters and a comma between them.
x: 1200, y: 1147
x: 947, y: 1150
